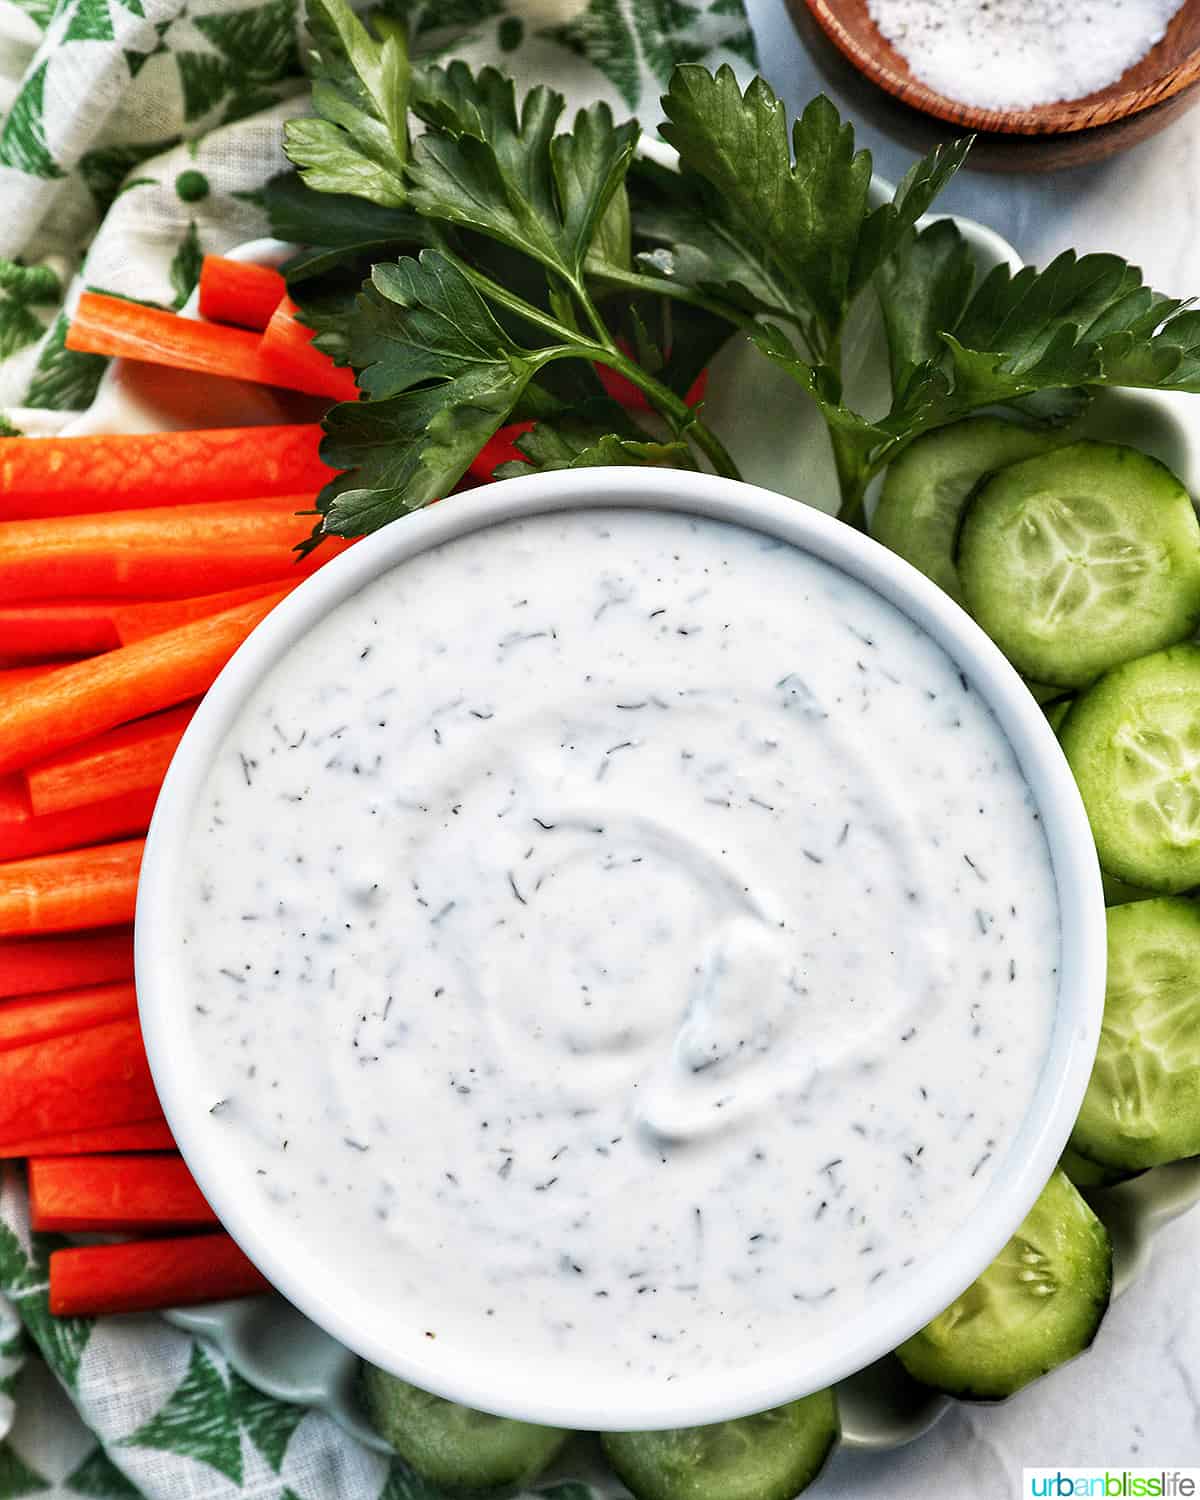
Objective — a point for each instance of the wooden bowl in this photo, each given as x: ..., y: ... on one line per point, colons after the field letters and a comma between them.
x: 1147, y: 96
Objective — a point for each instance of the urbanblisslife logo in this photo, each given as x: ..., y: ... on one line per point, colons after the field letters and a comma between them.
x: 1112, y: 1484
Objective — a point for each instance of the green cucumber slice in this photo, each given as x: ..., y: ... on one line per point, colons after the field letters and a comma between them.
x: 1142, y: 1106
x: 927, y: 488
x: 1037, y: 1305
x: 1133, y: 743
x: 1120, y: 892
x: 466, y: 1451
x: 771, y: 1456
x: 1081, y: 559
x: 1086, y: 1173
x: 1057, y: 712
x: 1046, y: 693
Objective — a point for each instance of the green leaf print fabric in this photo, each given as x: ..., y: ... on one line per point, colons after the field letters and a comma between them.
x: 135, y: 137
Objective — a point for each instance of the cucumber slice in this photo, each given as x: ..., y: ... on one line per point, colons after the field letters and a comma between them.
x: 772, y: 1456
x: 1046, y: 693
x: 1057, y: 711
x: 1142, y: 1106
x: 1119, y: 892
x: 1086, y: 1173
x: 466, y: 1451
x: 1037, y: 1305
x: 927, y: 488
x: 1133, y: 742
x: 1081, y: 559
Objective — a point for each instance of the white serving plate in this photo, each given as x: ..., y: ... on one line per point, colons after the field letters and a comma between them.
x: 779, y: 442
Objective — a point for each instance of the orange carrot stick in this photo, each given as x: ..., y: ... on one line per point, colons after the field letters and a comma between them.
x: 38, y: 966
x: 36, y: 1019
x: 288, y: 345
x: 94, y: 887
x: 17, y: 677
x: 134, y: 622
x: 238, y: 291
x: 24, y: 835
x: 111, y: 325
x: 142, y: 1275
x: 77, y: 1081
x: 131, y: 758
x: 142, y: 1135
x: 56, y: 633
x: 107, y: 1194
x: 35, y: 632
x: 179, y: 551
x: 49, y: 635
x: 76, y: 702
x: 122, y: 471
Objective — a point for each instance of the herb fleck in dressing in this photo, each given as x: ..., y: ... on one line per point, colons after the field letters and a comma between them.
x: 618, y: 939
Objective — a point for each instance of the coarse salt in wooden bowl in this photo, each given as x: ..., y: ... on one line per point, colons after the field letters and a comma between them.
x: 1155, y: 90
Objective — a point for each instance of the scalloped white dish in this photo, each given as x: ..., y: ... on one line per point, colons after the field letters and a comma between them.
x: 780, y: 444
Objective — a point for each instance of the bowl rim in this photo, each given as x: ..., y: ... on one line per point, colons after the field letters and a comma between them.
x: 1062, y: 117
x: 538, y: 1396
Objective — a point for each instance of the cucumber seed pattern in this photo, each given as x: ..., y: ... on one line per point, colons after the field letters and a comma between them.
x: 1082, y: 558
x: 1039, y: 1303
x: 1081, y: 561
x: 1139, y: 1109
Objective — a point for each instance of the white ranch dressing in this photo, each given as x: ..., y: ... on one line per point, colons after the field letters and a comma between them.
x: 618, y: 939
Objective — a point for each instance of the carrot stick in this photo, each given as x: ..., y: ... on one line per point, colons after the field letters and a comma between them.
x: 77, y: 1081
x: 23, y: 1022
x: 37, y: 631
x: 24, y: 835
x: 94, y: 887
x: 142, y: 1135
x: 238, y: 291
x: 134, y: 622
x: 38, y: 966
x: 288, y: 345
x: 131, y: 758
x: 106, y: 1194
x: 179, y: 551
x: 59, y: 632
x: 17, y: 677
x: 143, y: 1275
x: 92, y: 696
x: 122, y: 471
x: 111, y: 325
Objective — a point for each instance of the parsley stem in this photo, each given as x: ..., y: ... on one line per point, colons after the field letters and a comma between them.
x: 494, y: 292
x: 661, y: 286
x: 592, y: 312
x: 680, y: 415
x: 853, y: 478
x: 714, y: 449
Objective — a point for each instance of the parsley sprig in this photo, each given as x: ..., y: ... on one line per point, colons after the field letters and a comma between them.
x: 451, y: 343
x: 474, y: 258
x: 1046, y: 336
x: 357, y: 140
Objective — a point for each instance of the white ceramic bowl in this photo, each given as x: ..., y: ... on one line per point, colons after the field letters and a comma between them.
x: 347, y: 1311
